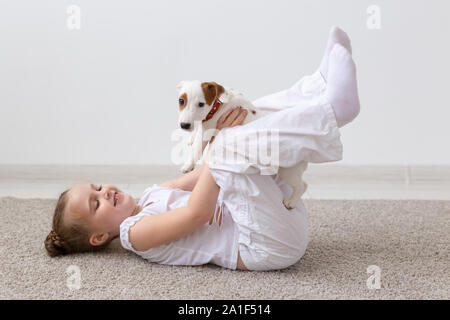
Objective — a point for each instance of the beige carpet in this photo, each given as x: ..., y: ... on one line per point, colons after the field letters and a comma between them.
x: 408, y: 240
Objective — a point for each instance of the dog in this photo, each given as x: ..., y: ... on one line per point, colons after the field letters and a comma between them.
x: 201, y: 104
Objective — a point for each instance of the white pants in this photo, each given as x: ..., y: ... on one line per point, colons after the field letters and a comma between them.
x: 270, y: 236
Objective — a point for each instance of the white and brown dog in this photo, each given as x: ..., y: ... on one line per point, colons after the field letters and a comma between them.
x: 201, y: 104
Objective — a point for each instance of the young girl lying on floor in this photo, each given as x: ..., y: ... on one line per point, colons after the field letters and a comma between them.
x: 226, y: 212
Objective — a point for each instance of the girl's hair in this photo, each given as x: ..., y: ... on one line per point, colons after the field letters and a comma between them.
x: 64, y: 238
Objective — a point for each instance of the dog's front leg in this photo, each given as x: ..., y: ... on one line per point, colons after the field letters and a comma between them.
x: 196, y: 149
x: 190, y: 162
x: 190, y: 139
x: 197, y: 146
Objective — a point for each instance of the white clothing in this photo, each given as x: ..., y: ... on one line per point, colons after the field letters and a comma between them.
x: 270, y: 236
x: 211, y: 243
x: 267, y: 235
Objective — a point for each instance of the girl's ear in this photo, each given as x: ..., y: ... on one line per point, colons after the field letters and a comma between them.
x: 98, y: 239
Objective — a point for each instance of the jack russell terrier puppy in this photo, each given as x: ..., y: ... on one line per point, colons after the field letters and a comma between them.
x: 201, y: 104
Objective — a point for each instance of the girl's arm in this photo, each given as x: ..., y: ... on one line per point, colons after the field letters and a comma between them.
x: 156, y: 230
x: 185, y: 182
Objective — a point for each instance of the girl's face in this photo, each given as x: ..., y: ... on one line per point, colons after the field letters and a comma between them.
x: 102, y: 208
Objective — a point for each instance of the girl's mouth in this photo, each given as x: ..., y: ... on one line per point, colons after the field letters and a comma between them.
x: 116, y: 198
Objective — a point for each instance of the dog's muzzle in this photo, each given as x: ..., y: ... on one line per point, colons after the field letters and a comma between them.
x: 185, y: 125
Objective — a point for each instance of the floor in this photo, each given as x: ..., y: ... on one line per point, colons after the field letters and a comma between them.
x: 325, y: 181
x: 357, y: 250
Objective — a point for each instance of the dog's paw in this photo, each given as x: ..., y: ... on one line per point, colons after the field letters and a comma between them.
x: 290, y: 203
x: 187, y: 168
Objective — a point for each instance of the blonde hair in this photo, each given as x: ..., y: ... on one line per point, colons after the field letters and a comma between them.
x: 67, y: 238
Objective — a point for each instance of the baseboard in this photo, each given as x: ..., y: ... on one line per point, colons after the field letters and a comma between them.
x: 325, y: 181
x: 325, y: 172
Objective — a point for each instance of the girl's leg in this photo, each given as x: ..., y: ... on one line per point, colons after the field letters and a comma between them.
x: 307, y: 131
x: 270, y: 236
x: 342, y: 89
x: 302, y: 92
x: 298, y: 93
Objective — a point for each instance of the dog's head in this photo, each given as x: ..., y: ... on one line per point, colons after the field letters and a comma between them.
x: 196, y: 99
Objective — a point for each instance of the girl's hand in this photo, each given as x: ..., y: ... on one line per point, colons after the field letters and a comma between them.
x: 231, y: 118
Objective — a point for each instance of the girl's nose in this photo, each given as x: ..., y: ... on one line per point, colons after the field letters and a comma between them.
x: 108, y: 194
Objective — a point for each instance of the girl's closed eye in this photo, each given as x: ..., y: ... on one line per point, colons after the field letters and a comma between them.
x: 98, y: 202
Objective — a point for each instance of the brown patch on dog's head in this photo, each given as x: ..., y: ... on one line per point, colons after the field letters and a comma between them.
x: 253, y: 111
x: 212, y: 90
x: 182, y: 101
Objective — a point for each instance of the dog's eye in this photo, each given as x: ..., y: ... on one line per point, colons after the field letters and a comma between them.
x: 201, y: 104
x: 181, y: 101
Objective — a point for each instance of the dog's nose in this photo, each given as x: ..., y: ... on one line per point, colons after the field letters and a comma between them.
x: 185, y: 125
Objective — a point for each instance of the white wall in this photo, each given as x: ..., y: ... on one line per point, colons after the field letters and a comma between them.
x: 105, y: 94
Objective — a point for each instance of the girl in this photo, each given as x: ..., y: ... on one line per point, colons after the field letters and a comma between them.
x: 227, y: 212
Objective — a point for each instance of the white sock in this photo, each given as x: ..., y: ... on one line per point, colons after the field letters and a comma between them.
x: 342, y: 89
x: 336, y: 36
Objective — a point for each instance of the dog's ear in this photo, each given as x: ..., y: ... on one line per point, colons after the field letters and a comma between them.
x: 180, y: 85
x: 212, y: 90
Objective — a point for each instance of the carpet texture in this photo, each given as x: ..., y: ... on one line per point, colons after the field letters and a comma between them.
x: 408, y: 240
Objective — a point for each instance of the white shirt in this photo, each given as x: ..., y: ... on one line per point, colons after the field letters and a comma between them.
x: 211, y: 243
